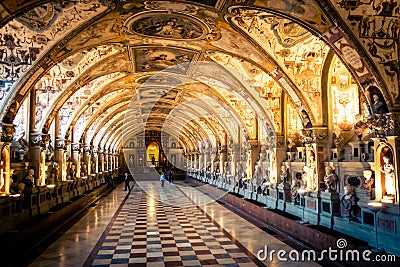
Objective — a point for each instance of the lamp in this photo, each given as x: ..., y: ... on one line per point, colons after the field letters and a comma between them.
x: 375, y: 207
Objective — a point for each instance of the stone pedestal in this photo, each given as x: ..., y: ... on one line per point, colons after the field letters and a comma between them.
x: 330, y: 206
x: 284, y: 195
x: 312, y: 207
x: 272, y: 198
x: 291, y: 156
x: 33, y: 202
x: 301, y: 153
x: 254, y: 192
x: 42, y: 199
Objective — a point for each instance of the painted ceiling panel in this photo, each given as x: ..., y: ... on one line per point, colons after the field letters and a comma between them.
x: 376, y: 24
x: 83, y: 99
x: 62, y: 75
x: 300, y: 54
x: 305, y: 10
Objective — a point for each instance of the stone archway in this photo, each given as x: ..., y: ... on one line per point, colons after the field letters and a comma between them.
x: 152, y: 154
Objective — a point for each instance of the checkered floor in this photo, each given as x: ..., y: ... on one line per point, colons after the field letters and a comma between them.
x: 148, y: 232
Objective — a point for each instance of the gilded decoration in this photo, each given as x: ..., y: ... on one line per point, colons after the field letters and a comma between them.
x: 344, y: 96
x: 300, y: 54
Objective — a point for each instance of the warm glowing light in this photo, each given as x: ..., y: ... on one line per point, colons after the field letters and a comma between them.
x: 302, y: 191
x: 152, y: 208
x: 375, y: 204
x: 51, y: 185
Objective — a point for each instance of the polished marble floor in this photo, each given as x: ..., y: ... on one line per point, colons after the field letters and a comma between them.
x: 174, y: 225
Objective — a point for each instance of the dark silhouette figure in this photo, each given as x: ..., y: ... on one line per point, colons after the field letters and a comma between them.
x: 127, y: 186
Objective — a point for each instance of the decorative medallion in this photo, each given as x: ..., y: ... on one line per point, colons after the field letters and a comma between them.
x: 162, y: 24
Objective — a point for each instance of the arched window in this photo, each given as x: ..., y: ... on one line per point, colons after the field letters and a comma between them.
x: 173, y: 145
x: 131, y: 145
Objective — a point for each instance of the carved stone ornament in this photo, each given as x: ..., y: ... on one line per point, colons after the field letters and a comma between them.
x: 307, y: 136
x: 36, y: 139
x: 45, y: 139
x: 7, y: 133
x: 87, y: 149
x: 320, y: 134
x: 382, y: 125
x: 60, y: 144
x: 76, y: 147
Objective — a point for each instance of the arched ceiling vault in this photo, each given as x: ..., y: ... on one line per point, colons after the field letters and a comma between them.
x: 83, y: 61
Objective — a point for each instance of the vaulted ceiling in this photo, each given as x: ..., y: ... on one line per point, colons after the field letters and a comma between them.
x: 99, y: 70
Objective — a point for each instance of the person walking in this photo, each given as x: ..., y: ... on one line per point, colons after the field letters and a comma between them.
x: 172, y: 175
x: 127, y: 186
x: 162, y: 178
x: 169, y: 175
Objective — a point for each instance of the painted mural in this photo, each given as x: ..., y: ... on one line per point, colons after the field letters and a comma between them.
x: 376, y: 23
x: 305, y: 10
x: 256, y: 79
x: 160, y: 58
x: 166, y: 25
x: 62, y: 75
x: 300, y: 54
x: 32, y: 38
x: 81, y: 98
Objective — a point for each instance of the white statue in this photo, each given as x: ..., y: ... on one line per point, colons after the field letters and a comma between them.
x: 388, y: 170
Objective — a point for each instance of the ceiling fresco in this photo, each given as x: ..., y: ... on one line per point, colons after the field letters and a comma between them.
x: 25, y: 40
x: 295, y: 49
x: 306, y: 11
x: 376, y: 24
x: 159, y: 58
x: 166, y: 25
x: 83, y: 61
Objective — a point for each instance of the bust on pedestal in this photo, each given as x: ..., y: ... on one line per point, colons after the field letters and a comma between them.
x: 349, y: 203
x: 330, y: 180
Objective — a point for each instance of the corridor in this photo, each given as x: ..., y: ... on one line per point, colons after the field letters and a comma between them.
x: 175, y: 225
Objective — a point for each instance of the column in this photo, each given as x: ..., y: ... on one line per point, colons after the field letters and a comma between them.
x: 8, y: 131
x: 76, y: 158
x: 95, y: 161
x: 101, y: 160
x: 60, y: 157
x: 38, y: 157
x: 222, y: 159
x: 87, y: 159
